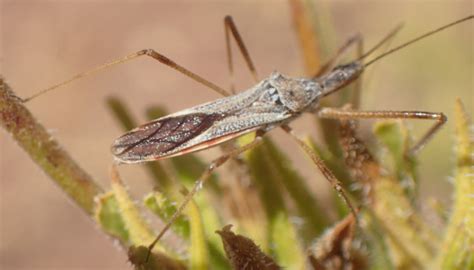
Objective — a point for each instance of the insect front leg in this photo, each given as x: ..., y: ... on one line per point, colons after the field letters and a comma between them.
x: 231, y: 28
x: 342, y: 114
x: 201, y: 181
x: 328, y: 174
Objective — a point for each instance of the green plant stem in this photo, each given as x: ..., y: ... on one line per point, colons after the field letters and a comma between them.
x: 17, y: 120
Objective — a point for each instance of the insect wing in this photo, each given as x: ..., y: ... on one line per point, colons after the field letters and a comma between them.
x: 158, y: 138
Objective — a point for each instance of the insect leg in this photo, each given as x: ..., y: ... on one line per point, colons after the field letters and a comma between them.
x: 201, y: 181
x: 147, y: 52
x: 355, y: 99
x: 231, y: 28
x: 328, y: 174
x: 440, y: 118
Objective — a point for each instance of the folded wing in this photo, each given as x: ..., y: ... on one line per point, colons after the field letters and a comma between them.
x: 159, y: 138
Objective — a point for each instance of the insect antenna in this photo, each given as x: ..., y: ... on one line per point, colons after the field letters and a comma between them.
x: 411, y: 41
x: 388, y: 37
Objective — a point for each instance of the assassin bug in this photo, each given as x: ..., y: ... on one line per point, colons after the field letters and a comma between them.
x: 273, y: 102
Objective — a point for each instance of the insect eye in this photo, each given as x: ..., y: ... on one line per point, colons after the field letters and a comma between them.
x: 310, y: 87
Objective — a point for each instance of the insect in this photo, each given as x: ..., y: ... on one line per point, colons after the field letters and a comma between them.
x: 273, y: 102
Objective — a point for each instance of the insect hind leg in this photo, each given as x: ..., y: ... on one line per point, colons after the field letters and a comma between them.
x: 328, y: 174
x: 440, y: 118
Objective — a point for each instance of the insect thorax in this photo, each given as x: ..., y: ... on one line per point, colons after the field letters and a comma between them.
x: 298, y: 94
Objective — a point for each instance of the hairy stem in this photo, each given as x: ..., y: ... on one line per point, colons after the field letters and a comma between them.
x: 18, y: 121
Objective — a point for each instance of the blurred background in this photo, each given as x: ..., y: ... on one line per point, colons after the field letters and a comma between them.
x: 44, y: 42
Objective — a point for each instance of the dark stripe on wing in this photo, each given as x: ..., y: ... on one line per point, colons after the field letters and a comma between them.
x: 155, y: 139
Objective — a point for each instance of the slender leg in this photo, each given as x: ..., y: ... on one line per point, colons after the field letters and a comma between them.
x: 147, y: 52
x: 440, y: 118
x: 231, y: 28
x: 358, y: 83
x: 336, y: 184
x: 202, y: 179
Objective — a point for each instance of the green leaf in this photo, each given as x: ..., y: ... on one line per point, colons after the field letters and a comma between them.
x: 164, y: 208
x: 410, y: 241
x: 274, y: 175
x: 285, y: 243
x: 375, y: 236
x: 140, y: 234
x: 395, y: 137
x: 108, y: 215
x: 198, y: 249
x: 457, y: 251
x: 295, y: 185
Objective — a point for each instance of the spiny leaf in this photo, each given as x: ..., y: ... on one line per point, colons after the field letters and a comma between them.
x: 286, y: 244
x: 395, y: 136
x: 365, y: 171
x: 140, y: 233
x: 108, y: 215
x: 274, y: 174
x: 375, y: 236
x: 335, y: 250
x: 243, y: 253
x: 164, y: 208
x: 457, y: 250
x: 198, y: 249
x: 296, y: 187
x: 211, y: 220
x: 411, y: 242
x: 262, y: 175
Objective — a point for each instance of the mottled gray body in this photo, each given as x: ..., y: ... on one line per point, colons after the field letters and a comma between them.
x: 268, y: 104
